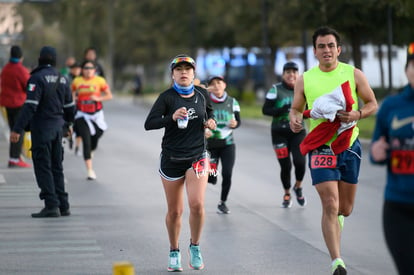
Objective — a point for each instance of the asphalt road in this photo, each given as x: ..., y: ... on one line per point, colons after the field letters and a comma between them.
x: 120, y: 216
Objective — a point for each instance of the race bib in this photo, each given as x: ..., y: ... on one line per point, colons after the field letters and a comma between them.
x: 201, y: 166
x: 402, y: 162
x: 213, y: 167
x: 282, y: 153
x: 323, y: 161
x: 87, y: 106
x: 323, y: 158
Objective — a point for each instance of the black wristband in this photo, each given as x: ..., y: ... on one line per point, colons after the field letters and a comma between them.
x: 360, y: 114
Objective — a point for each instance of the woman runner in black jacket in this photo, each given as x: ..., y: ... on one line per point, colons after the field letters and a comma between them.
x: 184, y: 110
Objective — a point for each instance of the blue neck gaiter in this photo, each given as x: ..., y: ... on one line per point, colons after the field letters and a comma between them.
x: 14, y: 60
x: 183, y: 90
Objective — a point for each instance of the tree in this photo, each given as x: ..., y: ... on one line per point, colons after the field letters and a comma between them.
x: 150, y: 32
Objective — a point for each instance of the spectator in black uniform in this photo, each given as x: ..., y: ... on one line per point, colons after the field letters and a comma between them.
x: 184, y: 161
x: 285, y: 142
x: 48, y: 107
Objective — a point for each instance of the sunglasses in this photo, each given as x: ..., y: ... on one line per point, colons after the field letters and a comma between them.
x: 88, y: 68
x: 183, y: 59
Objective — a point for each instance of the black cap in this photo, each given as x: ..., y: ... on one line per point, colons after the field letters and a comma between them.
x: 182, y: 58
x: 47, y: 56
x: 290, y: 65
x: 211, y: 78
x: 16, y: 52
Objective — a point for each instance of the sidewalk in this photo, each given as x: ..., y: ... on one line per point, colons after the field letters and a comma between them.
x: 64, y: 245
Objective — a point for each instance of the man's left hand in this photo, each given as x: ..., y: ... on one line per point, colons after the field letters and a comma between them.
x: 348, y: 117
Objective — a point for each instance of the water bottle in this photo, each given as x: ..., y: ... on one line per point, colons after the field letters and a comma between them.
x: 182, y: 122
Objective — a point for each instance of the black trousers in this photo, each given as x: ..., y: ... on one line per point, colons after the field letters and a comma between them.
x: 398, y: 224
x: 15, y: 149
x: 89, y: 142
x: 227, y: 155
x: 291, y: 141
x: 47, y: 155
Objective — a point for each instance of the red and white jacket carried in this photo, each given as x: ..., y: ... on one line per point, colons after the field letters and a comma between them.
x: 326, y: 107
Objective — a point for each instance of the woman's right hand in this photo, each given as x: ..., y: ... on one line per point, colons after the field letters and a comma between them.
x: 179, y: 113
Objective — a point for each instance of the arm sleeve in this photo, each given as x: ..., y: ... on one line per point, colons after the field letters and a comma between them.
x: 236, y: 112
x: 381, y: 128
x: 157, y: 117
x: 268, y: 107
x: 34, y: 94
x: 237, y: 117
